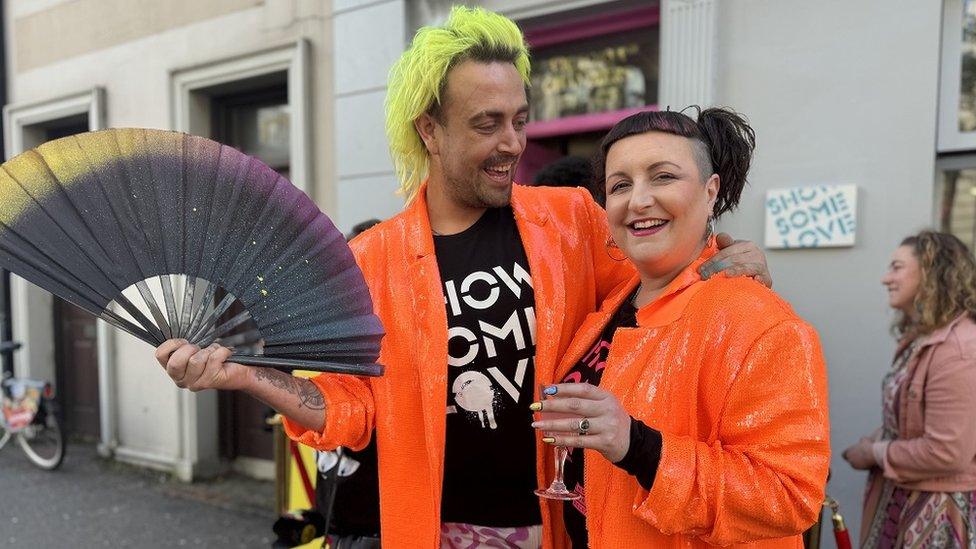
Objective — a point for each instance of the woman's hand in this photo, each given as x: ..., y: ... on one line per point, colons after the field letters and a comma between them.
x: 609, y: 423
x: 861, y: 455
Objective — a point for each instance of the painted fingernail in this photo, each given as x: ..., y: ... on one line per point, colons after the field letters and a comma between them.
x: 548, y: 440
x: 550, y: 390
x: 535, y: 406
x: 535, y: 424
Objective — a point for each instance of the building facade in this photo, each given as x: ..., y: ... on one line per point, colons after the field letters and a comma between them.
x: 871, y: 93
x: 258, y: 75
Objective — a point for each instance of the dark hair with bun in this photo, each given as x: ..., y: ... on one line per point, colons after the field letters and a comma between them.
x: 721, y: 139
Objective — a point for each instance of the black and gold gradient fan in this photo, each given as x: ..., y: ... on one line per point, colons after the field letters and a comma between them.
x: 159, y: 233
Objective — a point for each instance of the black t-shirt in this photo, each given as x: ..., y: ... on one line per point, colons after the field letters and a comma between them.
x: 489, y: 463
x: 589, y: 370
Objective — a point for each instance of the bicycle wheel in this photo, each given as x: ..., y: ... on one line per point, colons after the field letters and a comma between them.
x: 43, y: 442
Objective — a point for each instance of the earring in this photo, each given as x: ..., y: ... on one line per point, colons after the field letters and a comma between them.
x: 611, y: 246
x: 709, y: 227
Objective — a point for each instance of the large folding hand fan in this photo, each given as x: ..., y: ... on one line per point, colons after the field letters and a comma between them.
x: 160, y: 233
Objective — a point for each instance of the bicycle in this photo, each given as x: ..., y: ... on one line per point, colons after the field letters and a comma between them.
x: 29, y: 413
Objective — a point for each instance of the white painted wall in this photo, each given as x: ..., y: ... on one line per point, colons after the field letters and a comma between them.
x: 369, y: 37
x: 838, y: 92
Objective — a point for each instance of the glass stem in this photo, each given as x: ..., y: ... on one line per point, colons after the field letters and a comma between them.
x: 560, y: 454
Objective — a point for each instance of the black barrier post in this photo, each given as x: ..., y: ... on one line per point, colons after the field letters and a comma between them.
x: 6, y: 328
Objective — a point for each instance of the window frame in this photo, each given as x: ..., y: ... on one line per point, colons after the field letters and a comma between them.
x: 950, y: 138
x: 191, y: 111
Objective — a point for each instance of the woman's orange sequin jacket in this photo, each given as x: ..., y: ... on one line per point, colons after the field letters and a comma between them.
x: 564, y: 233
x: 736, y: 384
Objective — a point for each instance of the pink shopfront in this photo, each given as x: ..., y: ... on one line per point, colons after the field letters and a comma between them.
x: 590, y: 70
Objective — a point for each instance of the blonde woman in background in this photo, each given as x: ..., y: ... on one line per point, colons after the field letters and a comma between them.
x: 922, y: 486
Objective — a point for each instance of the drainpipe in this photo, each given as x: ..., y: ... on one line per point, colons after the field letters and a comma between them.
x: 107, y: 406
x: 106, y: 336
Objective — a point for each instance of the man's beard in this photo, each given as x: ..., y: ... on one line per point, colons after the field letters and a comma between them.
x: 475, y: 193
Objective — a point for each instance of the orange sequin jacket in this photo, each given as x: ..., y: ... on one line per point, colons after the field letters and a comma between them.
x: 564, y: 233
x: 736, y: 384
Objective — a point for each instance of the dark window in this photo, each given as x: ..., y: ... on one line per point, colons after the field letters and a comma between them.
x: 257, y: 123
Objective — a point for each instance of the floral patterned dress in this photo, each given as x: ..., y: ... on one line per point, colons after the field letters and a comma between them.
x: 898, y: 518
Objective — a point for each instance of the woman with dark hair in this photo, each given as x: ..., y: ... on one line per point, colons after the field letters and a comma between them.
x: 701, y: 404
x: 921, y: 491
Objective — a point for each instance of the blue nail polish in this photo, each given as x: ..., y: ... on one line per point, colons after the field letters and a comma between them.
x: 550, y: 390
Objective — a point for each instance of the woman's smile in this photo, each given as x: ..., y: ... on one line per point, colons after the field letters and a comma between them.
x: 647, y: 226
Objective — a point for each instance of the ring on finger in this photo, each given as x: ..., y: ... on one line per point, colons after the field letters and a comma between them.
x: 584, y: 426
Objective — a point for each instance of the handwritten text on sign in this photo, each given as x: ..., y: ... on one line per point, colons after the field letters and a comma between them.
x: 811, y: 217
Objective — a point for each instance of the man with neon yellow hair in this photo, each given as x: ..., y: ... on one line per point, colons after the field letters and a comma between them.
x: 480, y: 285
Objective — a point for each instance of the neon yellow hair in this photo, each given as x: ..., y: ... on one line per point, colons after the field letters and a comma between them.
x: 418, y: 77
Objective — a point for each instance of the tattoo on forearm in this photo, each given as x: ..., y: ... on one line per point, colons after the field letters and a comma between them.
x: 308, y: 394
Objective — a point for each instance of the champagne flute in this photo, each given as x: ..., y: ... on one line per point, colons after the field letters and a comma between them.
x: 556, y: 490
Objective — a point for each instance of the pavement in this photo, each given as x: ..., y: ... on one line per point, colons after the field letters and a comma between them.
x: 95, y: 502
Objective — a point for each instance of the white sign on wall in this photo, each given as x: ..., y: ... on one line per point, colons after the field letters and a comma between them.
x: 818, y: 216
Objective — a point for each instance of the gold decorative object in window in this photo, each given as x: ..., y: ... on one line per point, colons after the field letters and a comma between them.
x: 606, y: 73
